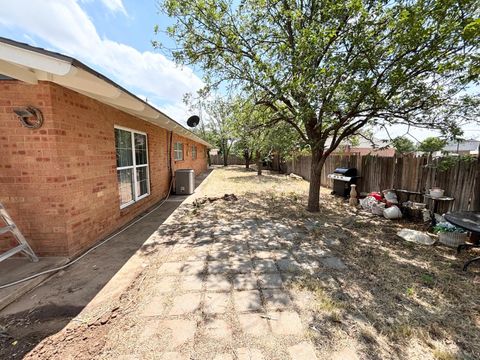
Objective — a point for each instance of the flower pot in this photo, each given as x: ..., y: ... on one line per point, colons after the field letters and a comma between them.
x: 436, y: 193
x: 452, y: 239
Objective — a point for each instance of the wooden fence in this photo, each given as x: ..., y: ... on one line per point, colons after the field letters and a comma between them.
x: 408, y: 173
x: 232, y: 160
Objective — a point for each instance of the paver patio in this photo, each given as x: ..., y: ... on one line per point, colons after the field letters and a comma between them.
x: 237, y: 291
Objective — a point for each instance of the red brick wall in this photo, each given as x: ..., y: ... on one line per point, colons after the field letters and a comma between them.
x: 199, y: 165
x: 59, y: 182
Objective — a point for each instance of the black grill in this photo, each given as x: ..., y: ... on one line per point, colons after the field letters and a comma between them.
x: 342, y: 179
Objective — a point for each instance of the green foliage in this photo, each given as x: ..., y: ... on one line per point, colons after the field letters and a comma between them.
x: 330, y: 68
x: 447, y: 228
x: 427, y: 279
x: 256, y: 130
x: 403, y: 145
x: 447, y: 162
x: 432, y: 144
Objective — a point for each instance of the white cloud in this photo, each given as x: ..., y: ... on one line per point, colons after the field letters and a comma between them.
x: 115, y: 5
x: 67, y: 28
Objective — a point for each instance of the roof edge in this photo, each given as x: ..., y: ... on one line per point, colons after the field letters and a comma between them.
x: 76, y: 63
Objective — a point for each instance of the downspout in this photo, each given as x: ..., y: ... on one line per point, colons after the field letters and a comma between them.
x: 170, y: 161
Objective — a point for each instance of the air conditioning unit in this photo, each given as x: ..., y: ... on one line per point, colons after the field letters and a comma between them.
x: 184, y: 181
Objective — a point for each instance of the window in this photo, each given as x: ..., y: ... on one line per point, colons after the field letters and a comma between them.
x: 178, y: 151
x: 194, y: 152
x: 132, y: 165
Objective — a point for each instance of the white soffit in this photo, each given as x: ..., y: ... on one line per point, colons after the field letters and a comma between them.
x: 34, y: 60
x: 30, y: 65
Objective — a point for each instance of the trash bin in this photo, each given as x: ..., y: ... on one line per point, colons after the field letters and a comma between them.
x: 184, y: 181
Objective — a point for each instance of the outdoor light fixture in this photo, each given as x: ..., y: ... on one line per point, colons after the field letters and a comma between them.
x: 29, y: 116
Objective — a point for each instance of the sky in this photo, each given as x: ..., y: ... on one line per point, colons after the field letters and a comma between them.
x: 114, y: 37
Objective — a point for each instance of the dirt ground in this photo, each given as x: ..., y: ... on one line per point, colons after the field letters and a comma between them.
x: 360, y: 291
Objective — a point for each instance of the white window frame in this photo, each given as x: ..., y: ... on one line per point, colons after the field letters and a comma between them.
x: 194, y: 151
x: 175, y: 151
x: 134, y: 167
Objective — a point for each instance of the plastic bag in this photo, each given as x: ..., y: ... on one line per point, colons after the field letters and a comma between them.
x: 390, y: 196
x: 393, y: 212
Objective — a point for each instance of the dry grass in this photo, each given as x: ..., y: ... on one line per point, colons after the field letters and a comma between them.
x: 395, y: 299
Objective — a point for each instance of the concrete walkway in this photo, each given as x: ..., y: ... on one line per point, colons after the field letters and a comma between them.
x: 223, y: 290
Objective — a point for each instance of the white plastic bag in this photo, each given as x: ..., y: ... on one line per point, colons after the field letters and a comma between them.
x: 378, y: 208
x: 393, y: 212
x: 416, y: 237
x: 390, y: 196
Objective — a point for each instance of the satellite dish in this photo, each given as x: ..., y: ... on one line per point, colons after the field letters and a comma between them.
x: 193, y: 121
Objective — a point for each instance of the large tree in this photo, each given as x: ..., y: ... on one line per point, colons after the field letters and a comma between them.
x: 328, y: 68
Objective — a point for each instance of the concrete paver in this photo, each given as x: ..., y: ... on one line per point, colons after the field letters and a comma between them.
x: 265, y: 266
x: 216, y: 303
x: 302, y: 351
x: 218, y: 267
x: 245, y: 282
x: 288, y: 265
x: 217, y: 329
x: 241, y: 266
x: 166, y: 284
x: 191, y: 283
x: 193, y: 268
x: 179, y: 331
x: 270, y: 281
x: 184, y: 304
x: 171, y: 268
x: 285, y: 323
x: 218, y: 283
x: 223, y: 357
x: 249, y: 354
x: 253, y: 324
x: 155, y: 306
x: 276, y: 299
x: 248, y: 300
x: 173, y: 355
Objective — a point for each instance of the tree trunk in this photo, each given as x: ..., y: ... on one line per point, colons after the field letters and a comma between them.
x: 318, y: 160
x: 259, y: 163
x: 225, y: 154
x: 246, y: 155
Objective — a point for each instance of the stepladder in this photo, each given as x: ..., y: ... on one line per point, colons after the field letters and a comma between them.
x: 22, y: 245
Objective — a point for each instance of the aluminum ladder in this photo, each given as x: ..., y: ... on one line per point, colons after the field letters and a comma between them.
x: 22, y: 246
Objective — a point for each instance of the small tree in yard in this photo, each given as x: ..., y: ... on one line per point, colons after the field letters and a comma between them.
x: 256, y: 140
x: 330, y: 68
x: 403, y: 145
x: 431, y: 145
x: 219, y: 125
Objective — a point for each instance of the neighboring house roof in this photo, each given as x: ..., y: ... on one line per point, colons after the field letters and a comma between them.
x: 387, y: 152
x: 463, y: 146
x: 362, y: 143
x: 32, y: 64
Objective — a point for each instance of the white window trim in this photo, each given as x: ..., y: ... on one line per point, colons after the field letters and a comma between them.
x: 194, y: 147
x: 175, y: 151
x: 135, y: 166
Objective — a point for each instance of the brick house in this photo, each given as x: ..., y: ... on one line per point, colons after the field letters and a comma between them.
x: 100, y: 158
